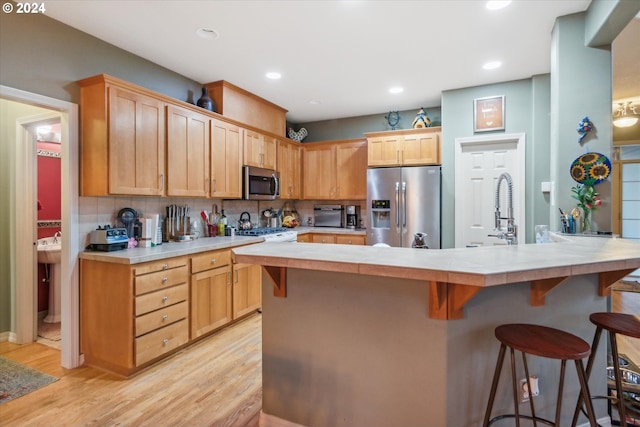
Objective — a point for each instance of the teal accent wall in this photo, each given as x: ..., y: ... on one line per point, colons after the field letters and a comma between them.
x: 356, y: 127
x: 526, y: 111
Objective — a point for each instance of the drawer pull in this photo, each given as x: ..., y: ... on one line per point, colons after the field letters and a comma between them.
x: 165, y: 341
x: 165, y: 317
x: 213, y: 261
x: 165, y: 266
x: 165, y: 279
x: 165, y: 298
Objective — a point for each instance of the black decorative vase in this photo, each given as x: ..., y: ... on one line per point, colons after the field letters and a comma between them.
x: 204, y: 101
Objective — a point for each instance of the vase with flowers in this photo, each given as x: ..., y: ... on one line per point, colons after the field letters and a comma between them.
x: 588, y: 200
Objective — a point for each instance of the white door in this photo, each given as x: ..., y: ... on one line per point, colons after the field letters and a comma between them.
x: 479, y: 162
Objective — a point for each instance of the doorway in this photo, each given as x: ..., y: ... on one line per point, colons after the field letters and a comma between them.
x: 479, y: 161
x: 23, y: 218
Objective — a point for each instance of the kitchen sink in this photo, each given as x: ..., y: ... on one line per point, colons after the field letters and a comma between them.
x: 50, y: 250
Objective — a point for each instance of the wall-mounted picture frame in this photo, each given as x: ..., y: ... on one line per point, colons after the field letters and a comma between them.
x: 488, y: 113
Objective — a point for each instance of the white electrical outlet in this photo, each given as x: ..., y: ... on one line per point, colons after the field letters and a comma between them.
x: 523, y: 391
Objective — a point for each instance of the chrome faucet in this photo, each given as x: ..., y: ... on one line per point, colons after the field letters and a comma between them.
x: 56, y: 236
x: 511, y: 234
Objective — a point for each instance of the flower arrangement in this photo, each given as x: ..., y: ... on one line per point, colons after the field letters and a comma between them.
x: 588, y: 200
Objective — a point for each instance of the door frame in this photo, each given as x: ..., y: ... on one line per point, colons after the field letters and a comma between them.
x: 25, y: 201
x: 520, y: 174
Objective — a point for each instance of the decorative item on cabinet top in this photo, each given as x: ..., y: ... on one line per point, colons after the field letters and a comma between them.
x: 204, y: 101
x: 421, y: 120
x: 297, y: 136
x: 393, y: 118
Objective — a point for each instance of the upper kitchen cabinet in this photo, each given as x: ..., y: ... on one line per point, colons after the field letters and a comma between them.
x: 226, y: 160
x: 188, y: 142
x: 259, y: 150
x: 245, y: 107
x: 289, y: 158
x: 122, y: 138
x: 408, y: 147
x: 335, y: 170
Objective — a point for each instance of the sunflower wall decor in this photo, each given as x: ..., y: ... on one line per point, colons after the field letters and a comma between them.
x: 588, y: 170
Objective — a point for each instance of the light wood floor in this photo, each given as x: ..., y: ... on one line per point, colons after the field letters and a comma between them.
x: 185, y: 390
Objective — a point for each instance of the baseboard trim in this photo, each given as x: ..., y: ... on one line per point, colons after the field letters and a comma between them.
x: 267, y: 420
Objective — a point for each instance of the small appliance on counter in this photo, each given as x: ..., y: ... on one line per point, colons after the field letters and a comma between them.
x: 128, y: 219
x: 107, y: 239
x: 328, y: 215
x: 352, y: 216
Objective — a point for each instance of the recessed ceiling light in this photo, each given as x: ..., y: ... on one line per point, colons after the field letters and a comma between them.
x: 314, y: 102
x: 492, y: 65
x: 273, y: 75
x: 396, y: 89
x: 497, y: 4
x: 207, y: 33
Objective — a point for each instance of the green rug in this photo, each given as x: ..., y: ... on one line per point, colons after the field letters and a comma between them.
x: 17, y: 380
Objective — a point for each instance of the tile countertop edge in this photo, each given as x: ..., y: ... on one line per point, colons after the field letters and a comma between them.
x: 488, y: 266
x: 169, y: 250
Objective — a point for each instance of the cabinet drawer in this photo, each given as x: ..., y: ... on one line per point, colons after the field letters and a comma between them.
x: 323, y: 238
x: 209, y: 260
x: 162, y: 298
x: 161, y: 279
x: 165, y: 264
x: 163, y: 317
x: 161, y: 341
x: 350, y: 240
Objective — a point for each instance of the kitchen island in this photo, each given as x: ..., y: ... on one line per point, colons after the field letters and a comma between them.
x: 405, y: 337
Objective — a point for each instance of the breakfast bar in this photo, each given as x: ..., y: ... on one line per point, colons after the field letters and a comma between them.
x: 393, y: 336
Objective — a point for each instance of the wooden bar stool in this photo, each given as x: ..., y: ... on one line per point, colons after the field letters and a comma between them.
x: 544, y: 342
x: 614, y: 323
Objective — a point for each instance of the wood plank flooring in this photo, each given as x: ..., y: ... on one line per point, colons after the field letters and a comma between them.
x: 185, y: 390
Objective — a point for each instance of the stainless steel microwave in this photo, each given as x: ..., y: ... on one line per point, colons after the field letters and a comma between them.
x: 260, y: 184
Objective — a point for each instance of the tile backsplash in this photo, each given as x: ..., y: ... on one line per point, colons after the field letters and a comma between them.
x: 95, y: 211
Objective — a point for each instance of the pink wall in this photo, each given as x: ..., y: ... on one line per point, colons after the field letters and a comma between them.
x: 49, y: 196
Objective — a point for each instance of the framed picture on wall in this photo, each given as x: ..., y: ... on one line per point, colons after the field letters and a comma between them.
x: 488, y: 114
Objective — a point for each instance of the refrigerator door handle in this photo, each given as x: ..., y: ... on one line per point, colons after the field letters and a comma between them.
x: 404, y: 205
x: 398, y: 206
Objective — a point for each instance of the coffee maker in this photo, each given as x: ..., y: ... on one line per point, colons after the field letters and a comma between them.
x: 352, y: 214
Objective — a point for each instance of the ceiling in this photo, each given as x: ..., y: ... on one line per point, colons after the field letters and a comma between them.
x: 337, y: 58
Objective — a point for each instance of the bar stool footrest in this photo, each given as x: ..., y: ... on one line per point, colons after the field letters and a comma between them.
x: 526, y: 417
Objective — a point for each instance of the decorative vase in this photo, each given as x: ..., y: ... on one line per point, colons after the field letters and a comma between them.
x: 204, y: 101
x: 586, y: 221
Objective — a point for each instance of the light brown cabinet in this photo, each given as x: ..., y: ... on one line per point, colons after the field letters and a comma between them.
x: 333, y: 238
x: 188, y: 145
x: 122, y: 137
x: 132, y: 315
x: 259, y: 150
x: 289, y: 163
x: 226, y: 160
x: 335, y: 170
x: 247, y: 289
x: 408, y: 147
x: 211, y: 291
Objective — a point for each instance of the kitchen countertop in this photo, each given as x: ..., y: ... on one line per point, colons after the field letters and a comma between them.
x: 454, y: 276
x: 483, y: 266
x: 168, y: 250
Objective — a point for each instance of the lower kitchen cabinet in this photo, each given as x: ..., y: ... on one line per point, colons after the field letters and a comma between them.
x: 211, y: 292
x: 337, y: 238
x: 132, y: 315
x: 247, y: 289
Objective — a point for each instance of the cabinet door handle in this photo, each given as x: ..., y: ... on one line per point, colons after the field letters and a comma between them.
x: 214, y: 185
x: 165, y: 317
x: 161, y: 182
x: 165, y: 279
x: 165, y: 341
x: 229, y: 278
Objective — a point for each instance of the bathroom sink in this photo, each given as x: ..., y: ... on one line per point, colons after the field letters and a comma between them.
x: 50, y: 250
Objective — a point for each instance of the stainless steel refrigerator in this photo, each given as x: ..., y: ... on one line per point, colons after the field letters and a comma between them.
x: 402, y: 202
